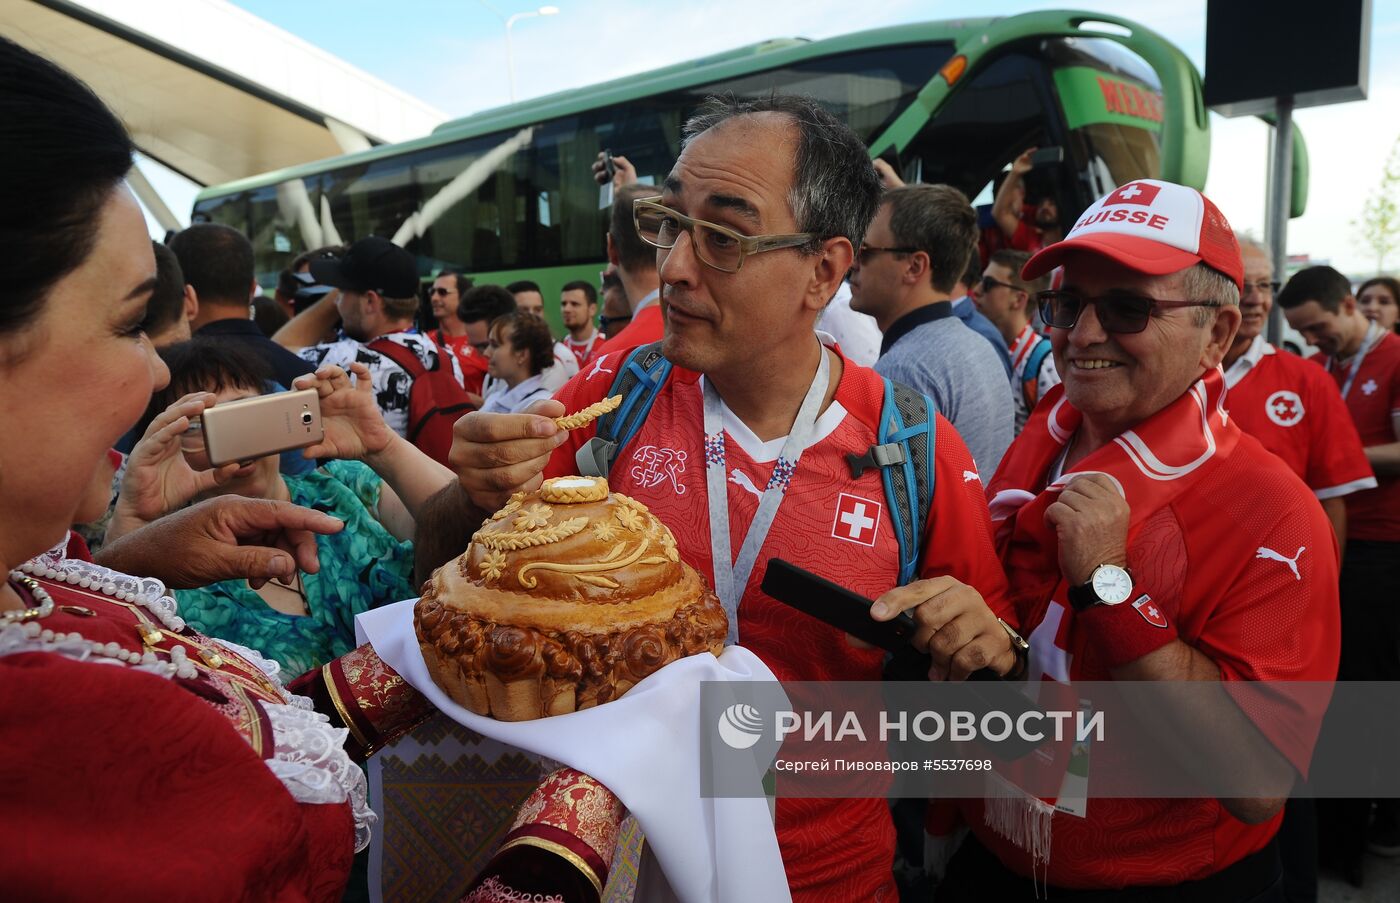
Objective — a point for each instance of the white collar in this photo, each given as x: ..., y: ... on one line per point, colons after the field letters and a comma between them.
x: 647, y: 301
x: 764, y: 452
x: 1245, y: 362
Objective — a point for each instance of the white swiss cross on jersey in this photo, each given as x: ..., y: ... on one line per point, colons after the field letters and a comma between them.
x: 857, y: 519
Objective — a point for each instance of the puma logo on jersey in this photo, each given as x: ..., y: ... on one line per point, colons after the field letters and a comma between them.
x: 741, y: 479
x: 970, y: 475
x: 598, y: 368
x: 1275, y: 556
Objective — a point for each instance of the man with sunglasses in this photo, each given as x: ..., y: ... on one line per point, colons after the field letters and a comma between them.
x: 1147, y: 538
x: 1005, y: 298
x: 914, y: 254
x: 451, y: 334
x: 748, y: 444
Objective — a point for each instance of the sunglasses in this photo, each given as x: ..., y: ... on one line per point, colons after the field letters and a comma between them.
x: 988, y: 283
x: 1121, y: 314
x: 868, y: 251
x: 605, y: 322
x: 438, y: 291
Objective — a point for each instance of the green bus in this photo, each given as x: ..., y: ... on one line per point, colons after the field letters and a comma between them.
x: 508, y: 193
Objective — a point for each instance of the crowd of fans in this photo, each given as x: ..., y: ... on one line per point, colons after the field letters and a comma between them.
x: 1038, y: 343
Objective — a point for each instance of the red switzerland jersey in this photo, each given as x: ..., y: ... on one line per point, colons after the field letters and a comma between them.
x: 1246, y: 566
x: 1374, y: 403
x: 1296, y: 412
x: 647, y: 326
x: 472, y: 362
x: 830, y: 523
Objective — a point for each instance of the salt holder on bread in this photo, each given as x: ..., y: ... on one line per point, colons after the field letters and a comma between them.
x: 565, y: 598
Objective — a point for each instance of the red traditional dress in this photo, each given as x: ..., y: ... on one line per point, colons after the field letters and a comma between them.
x: 149, y: 761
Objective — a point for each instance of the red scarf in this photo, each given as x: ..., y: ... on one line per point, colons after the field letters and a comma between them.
x: 1154, y: 464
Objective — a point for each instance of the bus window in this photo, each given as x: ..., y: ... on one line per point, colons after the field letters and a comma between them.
x: 371, y: 198
x: 1002, y: 110
x: 229, y: 210
x: 284, y: 223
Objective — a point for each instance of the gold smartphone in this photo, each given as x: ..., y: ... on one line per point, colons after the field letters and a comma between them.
x: 251, y: 428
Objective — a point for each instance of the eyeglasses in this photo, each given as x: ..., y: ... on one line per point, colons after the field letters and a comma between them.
x: 716, y: 246
x: 438, y: 291
x: 867, y: 251
x: 988, y: 283
x: 1122, y: 314
x: 1263, y: 287
x: 605, y: 322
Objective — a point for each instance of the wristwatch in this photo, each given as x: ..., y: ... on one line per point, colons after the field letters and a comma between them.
x: 1108, y: 585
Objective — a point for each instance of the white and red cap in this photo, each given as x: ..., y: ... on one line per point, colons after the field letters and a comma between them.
x: 1150, y: 227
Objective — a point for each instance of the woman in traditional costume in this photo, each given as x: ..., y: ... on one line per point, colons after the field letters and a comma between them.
x: 144, y: 760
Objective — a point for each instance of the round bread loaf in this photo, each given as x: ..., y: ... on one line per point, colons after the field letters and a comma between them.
x: 565, y: 598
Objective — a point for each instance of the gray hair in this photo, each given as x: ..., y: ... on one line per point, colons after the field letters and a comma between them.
x: 1202, y: 283
x: 835, y: 191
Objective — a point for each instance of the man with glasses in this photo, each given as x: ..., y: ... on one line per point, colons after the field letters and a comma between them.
x: 616, y: 312
x: 1289, y: 404
x: 1006, y: 299
x: 749, y: 440
x: 1147, y: 538
x: 478, y: 308
x: 914, y: 253
x: 451, y: 333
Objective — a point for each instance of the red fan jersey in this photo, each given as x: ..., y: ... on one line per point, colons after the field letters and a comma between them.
x: 1373, y: 398
x: 831, y: 523
x: 1294, y: 411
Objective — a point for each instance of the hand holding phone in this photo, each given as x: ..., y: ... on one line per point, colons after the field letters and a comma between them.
x: 252, y: 428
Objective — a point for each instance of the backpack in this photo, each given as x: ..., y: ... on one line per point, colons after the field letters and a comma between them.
x: 435, y: 400
x: 903, y: 452
x: 1030, y: 374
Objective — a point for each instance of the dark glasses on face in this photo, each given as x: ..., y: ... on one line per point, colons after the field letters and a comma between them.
x: 438, y: 291
x: 1122, y: 314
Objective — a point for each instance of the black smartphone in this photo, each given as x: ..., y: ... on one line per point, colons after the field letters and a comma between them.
x: 1047, y: 156
x: 609, y: 166
x: 845, y: 610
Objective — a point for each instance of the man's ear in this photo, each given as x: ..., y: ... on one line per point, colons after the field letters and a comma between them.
x: 1222, y: 335
x: 1348, y: 305
x: 612, y: 251
x: 1020, y: 300
x: 829, y: 270
x: 917, y: 268
x: 191, y: 303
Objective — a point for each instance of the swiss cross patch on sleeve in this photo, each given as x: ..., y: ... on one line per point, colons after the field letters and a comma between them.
x: 857, y: 520
x: 1150, y: 612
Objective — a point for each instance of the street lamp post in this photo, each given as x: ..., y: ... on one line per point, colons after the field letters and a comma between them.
x: 509, y: 21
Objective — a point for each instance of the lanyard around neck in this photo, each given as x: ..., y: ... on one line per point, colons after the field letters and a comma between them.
x: 731, y: 577
x: 1373, y: 335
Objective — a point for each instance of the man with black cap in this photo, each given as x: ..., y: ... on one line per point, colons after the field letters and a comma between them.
x: 378, y: 284
x: 1147, y: 538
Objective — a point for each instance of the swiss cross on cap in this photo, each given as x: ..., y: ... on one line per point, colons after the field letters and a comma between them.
x: 1151, y: 227
x: 1141, y: 193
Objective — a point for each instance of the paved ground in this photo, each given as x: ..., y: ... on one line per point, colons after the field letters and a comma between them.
x: 1382, y: 884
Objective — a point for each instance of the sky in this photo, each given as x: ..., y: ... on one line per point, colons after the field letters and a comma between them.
x: 452, y: 54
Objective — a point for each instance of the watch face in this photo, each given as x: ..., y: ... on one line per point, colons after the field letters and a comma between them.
x: 1112, y: 584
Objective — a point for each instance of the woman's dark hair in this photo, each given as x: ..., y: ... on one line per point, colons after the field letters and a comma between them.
x: 528, y: 333
x: 205, y: 364
x: 62, y: 152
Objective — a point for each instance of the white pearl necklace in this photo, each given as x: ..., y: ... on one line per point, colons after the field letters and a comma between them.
x: 41, y: 595
x: 72, y: 641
